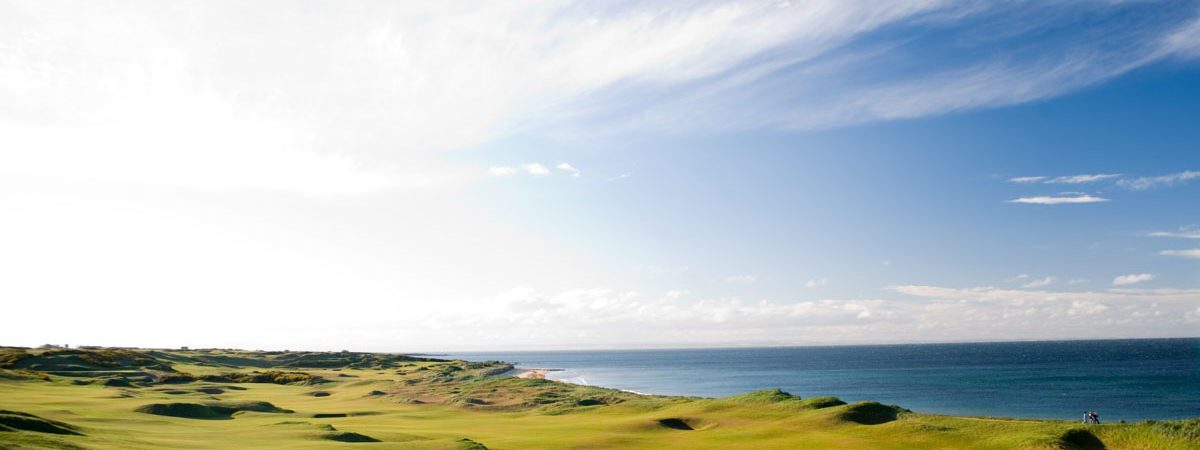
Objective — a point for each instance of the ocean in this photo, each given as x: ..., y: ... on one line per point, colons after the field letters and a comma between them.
x: 1133, y: 379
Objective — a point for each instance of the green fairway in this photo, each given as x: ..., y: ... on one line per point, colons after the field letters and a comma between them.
x: 222, y: 399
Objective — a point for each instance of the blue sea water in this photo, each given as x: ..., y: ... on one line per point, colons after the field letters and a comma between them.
x: 1122, y: 379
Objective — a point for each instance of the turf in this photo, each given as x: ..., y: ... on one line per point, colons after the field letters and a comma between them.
x: 241, y: 399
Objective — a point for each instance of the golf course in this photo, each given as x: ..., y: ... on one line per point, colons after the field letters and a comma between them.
x: 97, y: 398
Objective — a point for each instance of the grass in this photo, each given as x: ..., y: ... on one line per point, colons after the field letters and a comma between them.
x: 236, y: 399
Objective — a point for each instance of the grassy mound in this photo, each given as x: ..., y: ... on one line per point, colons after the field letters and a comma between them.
x: 347, y: 436
x: 871, y: 413
x: 92, y: 361
x: 764, y: 396
x: 1079, y: 439
x: 185, y: 410
x: 467, y: 444
x: 16, y: 420
x: 822, y: 402
x: 781, y: 398
x: 209, y: 411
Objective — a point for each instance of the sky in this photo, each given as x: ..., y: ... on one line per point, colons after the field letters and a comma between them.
x: 447, y: 176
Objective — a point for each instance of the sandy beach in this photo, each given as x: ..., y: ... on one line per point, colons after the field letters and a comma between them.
x: 532, y: 373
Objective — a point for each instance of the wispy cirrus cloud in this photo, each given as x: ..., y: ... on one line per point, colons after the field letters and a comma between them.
x: 1059, y: 199
x: 309, y: 112
x: 1193, y: 253
x: 1144, y: 183
x: 1067, y: 179
x: 1185, y: 233
x: 1027, y: 180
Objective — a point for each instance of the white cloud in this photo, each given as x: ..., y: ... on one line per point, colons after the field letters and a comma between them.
x: 742, y: 279
x: 815, y: 283
x: 1132, y: 278
x: 536, y: 169
x: 1186, y: 233
x: 1067, y: 179
x: 1040, y: 282
x: 1081, y: 179
x: 501, y: 171
x: 122, y: 93
x: 1188, y: 253
x: 1144, y: 183
x: 1183, y: 42
x: 676, y: 294
x: 212, y: 146
x: 1026, y: 180
x: 1056, y: 200
x: 580, y: 318
x: 621, y: 176
x: 987, y: 293
x: 568, y: 168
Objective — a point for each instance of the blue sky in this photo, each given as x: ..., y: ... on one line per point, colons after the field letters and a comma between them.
x: 931, y: 196
x: 453, y: 176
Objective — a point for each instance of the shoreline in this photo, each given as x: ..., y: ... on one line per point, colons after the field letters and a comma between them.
x: 1052, y: 386
x: 378, y: 398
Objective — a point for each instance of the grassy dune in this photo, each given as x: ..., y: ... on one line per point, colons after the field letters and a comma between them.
x: 221, y: 399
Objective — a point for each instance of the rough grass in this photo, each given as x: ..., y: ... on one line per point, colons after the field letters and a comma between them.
x: 428, y: 404
x: 9, y: 357
x: 273, y: 376
x: 80, y: 360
